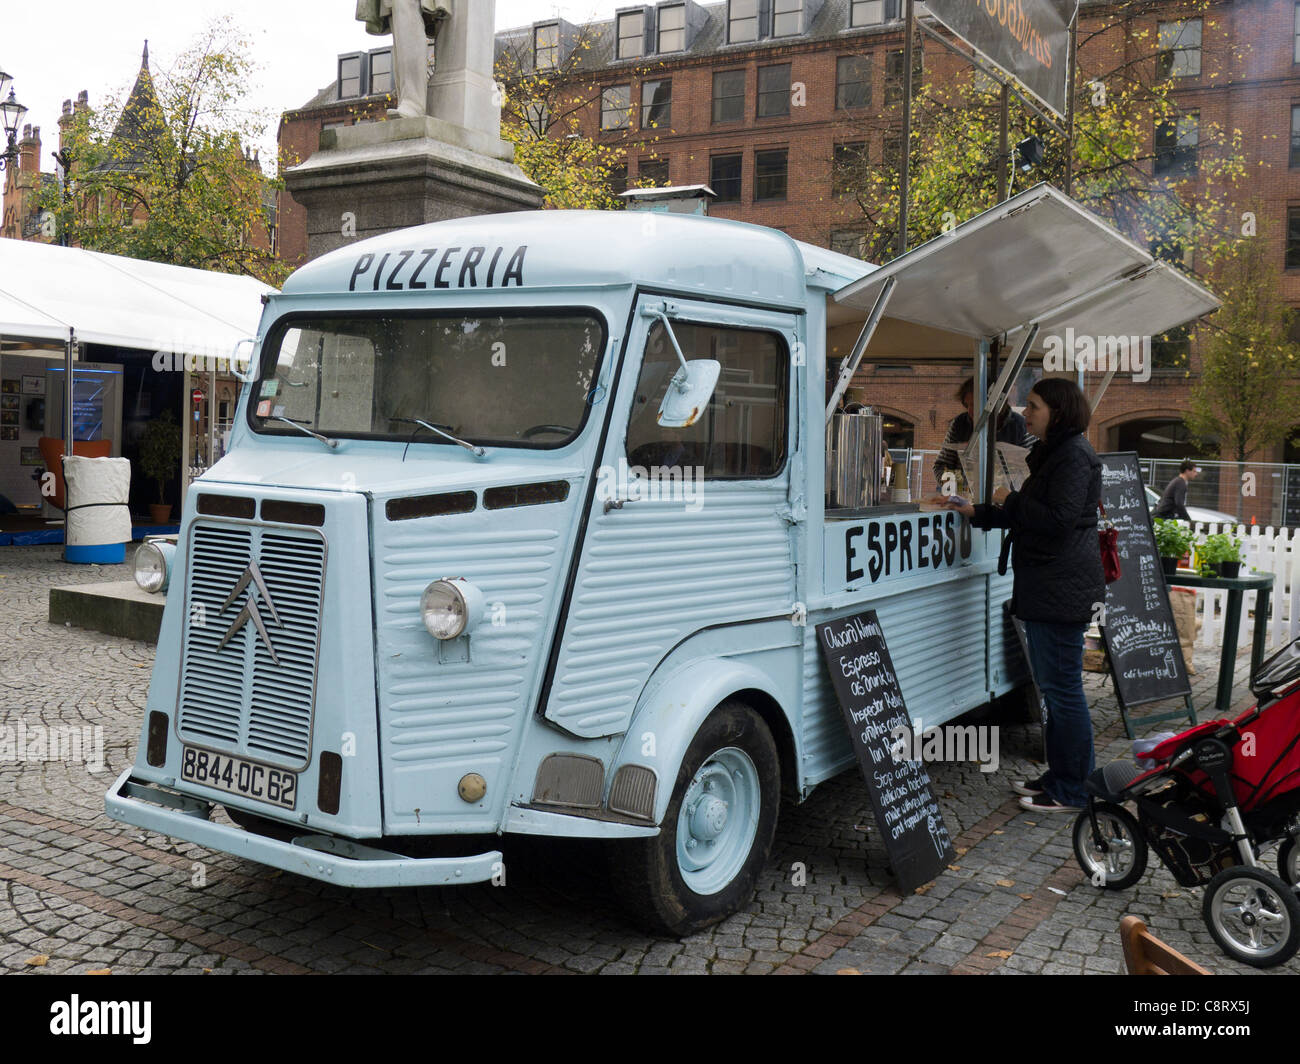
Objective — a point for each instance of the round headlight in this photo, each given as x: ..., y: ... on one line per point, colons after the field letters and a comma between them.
x: 151, y: 568
x: 444, y: 609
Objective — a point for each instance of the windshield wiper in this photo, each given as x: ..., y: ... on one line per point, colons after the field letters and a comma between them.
x: 331, y: 444
x: 476, y: 451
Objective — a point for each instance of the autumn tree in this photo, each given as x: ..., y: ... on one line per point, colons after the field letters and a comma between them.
x: 548, y: 114
x: 1169, y: 190
x: 1247, y: 396
x: 165, y: 172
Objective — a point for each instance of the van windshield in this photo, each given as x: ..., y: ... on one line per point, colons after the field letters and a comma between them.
x: 507, y: 380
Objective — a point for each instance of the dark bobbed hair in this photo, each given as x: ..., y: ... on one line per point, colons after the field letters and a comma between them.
x: 1069, y: 406
x: 1187, y: 464
x: 967, y: 388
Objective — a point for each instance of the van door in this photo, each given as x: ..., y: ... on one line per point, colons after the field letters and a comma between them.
x: 686, y: 531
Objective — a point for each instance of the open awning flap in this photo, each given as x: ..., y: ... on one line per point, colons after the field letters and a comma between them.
x: 1038, y: 257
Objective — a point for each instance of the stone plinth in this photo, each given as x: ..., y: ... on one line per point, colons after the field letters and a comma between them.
x: 375, y: 177
x: 120, y: 608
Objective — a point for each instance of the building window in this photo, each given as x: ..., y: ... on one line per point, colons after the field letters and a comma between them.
x: 894, y: 75
x: 1179, y: 54
x: 742, y: 23
x: 538, y: 117
x: 349, y: 76
x: 847, y: 242
x: 1295, y: 135
x: 631, y: 35
x: 891, y: 149
x: 616, y: 107
x: 787, y: 18
x: 846, y: 167
x: 672, y: 28
x: 656, y: 104
x: 546, y: 47
x: 729, y: 96
x: 1293, y: 238
x: 381, y: 72
x: 724, y: 177
x: 653, y: 172
x: 852, y: 82
x: 872, y: 12
x: 1175, y: 145
x: 770, y: 174
x: 618, y: 179
x: 774, y: 91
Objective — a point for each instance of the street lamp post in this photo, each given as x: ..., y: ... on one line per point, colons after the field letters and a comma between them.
x: 11, y: 113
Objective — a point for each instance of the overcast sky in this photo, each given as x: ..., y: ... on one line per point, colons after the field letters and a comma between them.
x: 54, y: 50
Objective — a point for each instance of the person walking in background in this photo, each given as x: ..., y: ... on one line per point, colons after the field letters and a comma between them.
x: 1059, y: 586
x: 1011, y: 429
x: 1173, y: 503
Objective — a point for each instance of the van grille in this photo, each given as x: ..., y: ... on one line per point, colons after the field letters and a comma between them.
x: 245, y: 697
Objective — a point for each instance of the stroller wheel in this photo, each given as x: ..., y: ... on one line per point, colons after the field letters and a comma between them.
x: 1288, y: 862
x: 1253, y: 916
x: 1118, y: 858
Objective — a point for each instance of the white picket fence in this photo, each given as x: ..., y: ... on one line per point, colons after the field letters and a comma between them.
x: 1266, y: 550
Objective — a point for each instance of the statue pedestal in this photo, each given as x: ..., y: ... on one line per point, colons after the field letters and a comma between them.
x: 375, y: 177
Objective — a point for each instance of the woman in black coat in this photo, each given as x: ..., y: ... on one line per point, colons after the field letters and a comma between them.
x: 1059, y: 588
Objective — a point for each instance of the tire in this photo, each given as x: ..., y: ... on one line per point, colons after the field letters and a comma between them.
x: 1253, y: 916
x: 1288, y: 862
x: 703, y: 865
x: 1124, y: 860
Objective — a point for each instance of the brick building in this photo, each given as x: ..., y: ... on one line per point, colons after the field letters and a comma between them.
x: 756, y: 97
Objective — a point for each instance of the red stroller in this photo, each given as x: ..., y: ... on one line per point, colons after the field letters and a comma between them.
x: 1218, y: 796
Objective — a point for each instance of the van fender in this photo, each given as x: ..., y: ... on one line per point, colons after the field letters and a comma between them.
x: 670, y: 713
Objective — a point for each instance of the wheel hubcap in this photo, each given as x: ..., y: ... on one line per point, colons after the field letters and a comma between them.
x: 718, y: 821
x: 1250, y: 916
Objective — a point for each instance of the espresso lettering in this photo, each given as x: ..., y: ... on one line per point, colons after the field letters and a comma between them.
x: 891, y: 545
x: 850, y: 555
x: 922, y: 542
x: 904, y: 547
x: 949, y: 539
x: 876, y: 565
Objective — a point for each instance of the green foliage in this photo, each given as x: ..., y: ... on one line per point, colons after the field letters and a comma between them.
x: 160, y: 450
x: 174, y: 184
x: 1120, y: 99
x: 1247, y: 394
x: 550, y: 118
x: 1173, y: 538
x: 1218, y: 548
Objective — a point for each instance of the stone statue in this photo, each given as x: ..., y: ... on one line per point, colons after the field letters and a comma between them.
x: 413, y: 24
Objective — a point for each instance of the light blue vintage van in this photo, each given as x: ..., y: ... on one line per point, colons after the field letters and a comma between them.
x: 522, y: 529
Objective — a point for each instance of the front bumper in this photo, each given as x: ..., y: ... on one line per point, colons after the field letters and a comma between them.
x: 325, y: 857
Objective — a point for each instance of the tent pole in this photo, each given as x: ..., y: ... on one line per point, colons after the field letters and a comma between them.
x: 69, y: 355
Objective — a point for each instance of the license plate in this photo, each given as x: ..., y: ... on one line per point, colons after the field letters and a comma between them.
x: 237, y: 776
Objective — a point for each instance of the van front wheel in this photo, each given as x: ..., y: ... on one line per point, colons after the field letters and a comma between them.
x: 716, y: 833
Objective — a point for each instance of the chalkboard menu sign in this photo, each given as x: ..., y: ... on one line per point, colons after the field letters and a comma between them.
x: 1146, y: 660
x: 909, y: 819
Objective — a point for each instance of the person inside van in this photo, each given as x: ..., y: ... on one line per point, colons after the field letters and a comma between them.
x: 1011, y: 429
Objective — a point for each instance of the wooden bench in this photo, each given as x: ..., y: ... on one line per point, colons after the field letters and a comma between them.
x: 1144, y: 954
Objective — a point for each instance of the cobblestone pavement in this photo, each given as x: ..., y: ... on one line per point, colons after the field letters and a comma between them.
x: 87, y: 893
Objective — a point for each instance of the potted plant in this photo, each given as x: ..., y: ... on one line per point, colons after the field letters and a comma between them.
x: 1173, y: 540
x: 1221, y: 554
x: 160, y: 457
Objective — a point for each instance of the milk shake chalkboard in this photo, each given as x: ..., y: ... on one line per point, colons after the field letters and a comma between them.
x: 909, y: 818
x: 1146, y: 660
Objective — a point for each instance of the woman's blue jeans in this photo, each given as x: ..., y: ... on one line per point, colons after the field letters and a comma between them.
x: 1056, y: 654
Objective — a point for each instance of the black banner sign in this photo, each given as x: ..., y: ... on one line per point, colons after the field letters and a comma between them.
x: 909, y: 818
x: 1028, y: 40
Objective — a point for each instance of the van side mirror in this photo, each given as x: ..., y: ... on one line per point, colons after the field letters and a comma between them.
x: 689, y: 393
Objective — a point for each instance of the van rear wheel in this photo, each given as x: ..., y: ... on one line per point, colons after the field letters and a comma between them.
x: 717, y: 832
